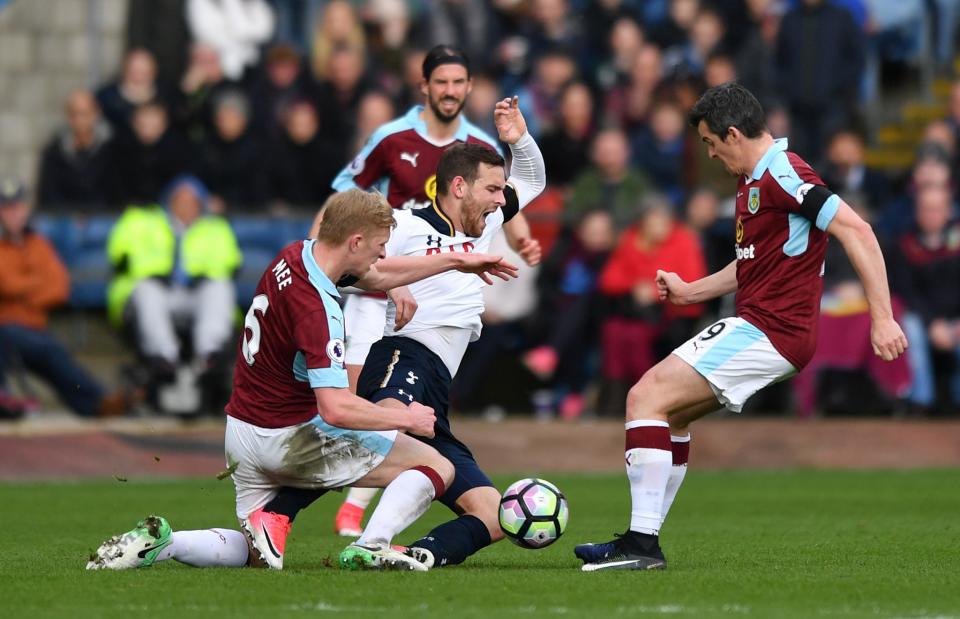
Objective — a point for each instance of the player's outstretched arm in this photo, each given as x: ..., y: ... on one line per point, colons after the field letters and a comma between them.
x: 528, y: 176
x: 509, y: 120
x: 862, y: 248
x: 671, y: 288
x: 398, y: 271
x: 528, y: 173
x: 340, y: 408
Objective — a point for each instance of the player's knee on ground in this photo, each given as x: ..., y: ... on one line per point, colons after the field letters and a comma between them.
x: 483, y: 503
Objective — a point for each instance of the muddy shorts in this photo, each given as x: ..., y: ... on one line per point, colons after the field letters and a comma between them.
x: 311, y: 455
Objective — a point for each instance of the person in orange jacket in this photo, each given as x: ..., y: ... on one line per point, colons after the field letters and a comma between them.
x: 33, y: 280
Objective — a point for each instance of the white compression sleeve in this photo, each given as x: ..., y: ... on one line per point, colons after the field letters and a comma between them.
x: 528, y: 174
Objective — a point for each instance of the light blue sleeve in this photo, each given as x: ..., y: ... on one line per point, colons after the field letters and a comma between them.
x: 788, y: 179
x: 828, y: 211
x: 328, y: 377
x: 345, y: 180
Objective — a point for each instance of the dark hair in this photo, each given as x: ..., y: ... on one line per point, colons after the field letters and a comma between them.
x: 729, y: 105
x: 464, y: 160
x: 444, y: 54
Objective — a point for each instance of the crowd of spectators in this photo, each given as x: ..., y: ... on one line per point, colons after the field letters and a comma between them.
x: 252, y: 107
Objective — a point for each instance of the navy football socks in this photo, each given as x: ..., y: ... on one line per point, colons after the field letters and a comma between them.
x: 452, y: 542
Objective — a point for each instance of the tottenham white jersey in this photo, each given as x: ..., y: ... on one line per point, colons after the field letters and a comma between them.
x: 449, y: 305
x: 451, y: 299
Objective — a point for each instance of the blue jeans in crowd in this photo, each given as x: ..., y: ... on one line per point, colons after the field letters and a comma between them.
x: 923, y: 391
x: 44, y: 356
x: 921, y: 363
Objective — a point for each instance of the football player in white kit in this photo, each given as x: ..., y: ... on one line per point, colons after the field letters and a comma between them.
x: 400, y: 159
x: 418, y: 362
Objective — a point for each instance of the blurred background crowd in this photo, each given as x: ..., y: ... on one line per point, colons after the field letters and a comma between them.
x: 219, y: 135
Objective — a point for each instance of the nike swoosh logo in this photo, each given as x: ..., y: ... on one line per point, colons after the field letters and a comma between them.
x: 143, y: 553
x: 269, y: 542
x: 593, y: 567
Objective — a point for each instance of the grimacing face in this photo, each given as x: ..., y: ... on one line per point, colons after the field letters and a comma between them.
x: 481, y: 198
x: 447, y: 91
x: 372, y: 246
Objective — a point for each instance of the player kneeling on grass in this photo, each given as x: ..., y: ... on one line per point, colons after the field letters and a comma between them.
x: 415, y: 364
x: 784, y: 214
x: 292, y: 422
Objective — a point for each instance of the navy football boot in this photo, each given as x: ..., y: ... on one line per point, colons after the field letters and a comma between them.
x: 629, y: 551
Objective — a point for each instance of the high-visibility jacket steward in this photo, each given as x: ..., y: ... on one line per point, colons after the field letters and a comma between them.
x: 142, y: 245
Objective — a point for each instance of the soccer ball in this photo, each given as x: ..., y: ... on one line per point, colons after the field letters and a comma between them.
x: 533, y: 513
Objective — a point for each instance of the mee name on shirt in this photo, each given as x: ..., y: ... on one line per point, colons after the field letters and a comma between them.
x: 292, y: 342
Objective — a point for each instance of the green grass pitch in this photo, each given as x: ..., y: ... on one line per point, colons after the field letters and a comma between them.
x: 739, y: 544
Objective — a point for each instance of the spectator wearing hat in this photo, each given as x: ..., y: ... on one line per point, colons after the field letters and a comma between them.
x: 174, y: 264
x: 33, y: 281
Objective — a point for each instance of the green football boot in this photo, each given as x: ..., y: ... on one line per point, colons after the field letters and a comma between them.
x: 377, y: 557
x: 138, y: 547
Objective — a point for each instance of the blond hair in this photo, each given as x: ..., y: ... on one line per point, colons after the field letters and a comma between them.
x: 353, y: 212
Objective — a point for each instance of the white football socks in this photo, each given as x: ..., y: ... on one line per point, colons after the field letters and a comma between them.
x: 649, y: 459
x: 681, y: 452
x: 361, y: 497
x: 207, y: 548
x: 403, y: 501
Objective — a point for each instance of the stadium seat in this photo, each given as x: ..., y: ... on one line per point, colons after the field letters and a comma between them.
x: 261, y: 239
x: 93, y: 232
x: 90, y: 272
x: 298, y: 228
x: 255, y: 262
x: 263, y: 233
x: 61, y: 231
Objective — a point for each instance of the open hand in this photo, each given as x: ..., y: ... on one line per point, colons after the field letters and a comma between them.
x: 485, y: 265
x: 509, y: 121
